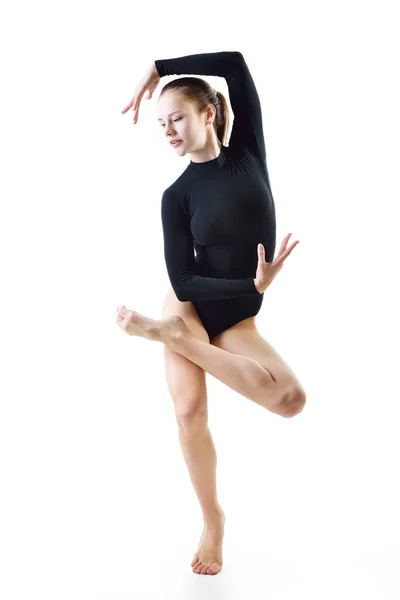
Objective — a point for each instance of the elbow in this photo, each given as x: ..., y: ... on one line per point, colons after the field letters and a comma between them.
x: 239, y: 56
x: 180, y: 293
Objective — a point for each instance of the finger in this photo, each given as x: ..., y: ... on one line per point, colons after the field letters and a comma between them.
x: 122, y: 310
x: 284, y: 243
x: 136, y: 102
x: 289, y: 250
x: 132, y: 104
x: 136, y: 113
x: 260, y: 254
x: 280, y: 259
x: 128, y: 106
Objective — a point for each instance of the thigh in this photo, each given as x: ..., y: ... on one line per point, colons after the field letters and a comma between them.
x: 245, y: 339
x: 186, y: 381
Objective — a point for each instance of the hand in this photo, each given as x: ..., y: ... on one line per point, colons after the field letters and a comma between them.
x: 145, y: 88
x: 266, y: 271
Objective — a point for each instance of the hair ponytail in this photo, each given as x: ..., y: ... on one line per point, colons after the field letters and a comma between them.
x: 223, y: 118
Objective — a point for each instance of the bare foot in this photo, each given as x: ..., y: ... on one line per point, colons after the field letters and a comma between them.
x: 165, y: 330
x: 208, y: 558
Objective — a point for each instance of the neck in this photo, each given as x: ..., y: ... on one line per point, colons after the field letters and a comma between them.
x: 209, y: 152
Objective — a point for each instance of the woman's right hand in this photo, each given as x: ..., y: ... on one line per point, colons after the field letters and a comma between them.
x: 145, y: 88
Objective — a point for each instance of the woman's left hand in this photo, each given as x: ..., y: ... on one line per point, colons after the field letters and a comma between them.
x: 266, y: 271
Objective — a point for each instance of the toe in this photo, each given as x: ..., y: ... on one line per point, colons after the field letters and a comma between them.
x: 203, y: 571
x: 213, y: 569
x: 196, y: 564
x: 195, y: 560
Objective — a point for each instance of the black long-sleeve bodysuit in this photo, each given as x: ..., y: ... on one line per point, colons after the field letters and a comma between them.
x: 222, y: 208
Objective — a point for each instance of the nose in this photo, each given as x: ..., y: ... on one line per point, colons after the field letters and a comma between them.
x: 169, y: 131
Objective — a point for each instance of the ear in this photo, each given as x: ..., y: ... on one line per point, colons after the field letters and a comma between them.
x: 210, y: 114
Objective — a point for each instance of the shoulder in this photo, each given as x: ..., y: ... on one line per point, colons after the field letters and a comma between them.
x: 173, y: 200
x: 177, y: 191
x: 180, y: 182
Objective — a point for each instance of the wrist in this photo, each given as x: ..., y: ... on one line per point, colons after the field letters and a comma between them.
x: 257, y: 286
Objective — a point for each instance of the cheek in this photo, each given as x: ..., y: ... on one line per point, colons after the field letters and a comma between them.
x: 190, y: 131
x: 185, y: 129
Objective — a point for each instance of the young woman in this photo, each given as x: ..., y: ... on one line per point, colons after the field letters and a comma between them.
x: 222, y: 207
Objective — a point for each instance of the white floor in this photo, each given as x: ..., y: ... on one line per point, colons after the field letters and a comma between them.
x: 311, y: 508
x: 262, y: 575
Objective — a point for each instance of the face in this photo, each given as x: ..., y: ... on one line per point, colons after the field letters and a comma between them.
x: 179, y: 121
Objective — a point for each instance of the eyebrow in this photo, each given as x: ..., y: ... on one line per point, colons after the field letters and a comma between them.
x: 175, y: 111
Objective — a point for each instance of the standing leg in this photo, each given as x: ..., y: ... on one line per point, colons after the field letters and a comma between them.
x: 187, y: 386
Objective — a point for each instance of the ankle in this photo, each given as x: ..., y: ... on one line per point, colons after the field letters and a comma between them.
x: 213, y: 516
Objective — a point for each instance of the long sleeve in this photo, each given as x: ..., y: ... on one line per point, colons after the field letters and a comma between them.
x: 247, y: 130
x: 180, y: 260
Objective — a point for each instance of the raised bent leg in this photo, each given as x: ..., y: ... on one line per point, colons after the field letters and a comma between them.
x: 242, y: 373
x: 244, y: 339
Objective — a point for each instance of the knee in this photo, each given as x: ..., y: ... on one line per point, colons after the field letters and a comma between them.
x: 293, y: 401
x: 191, y: 416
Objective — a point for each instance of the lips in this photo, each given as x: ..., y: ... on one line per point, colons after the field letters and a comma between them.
x: 174, y: 142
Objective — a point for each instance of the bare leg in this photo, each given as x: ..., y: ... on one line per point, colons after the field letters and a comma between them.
x: 201, y: 459
x: 241, y: 373
x: 187, y: 386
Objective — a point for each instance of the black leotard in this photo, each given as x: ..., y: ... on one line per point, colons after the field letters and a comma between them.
x: 222, y: 208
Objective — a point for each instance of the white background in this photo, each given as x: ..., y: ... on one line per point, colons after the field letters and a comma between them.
x: 96, y: 500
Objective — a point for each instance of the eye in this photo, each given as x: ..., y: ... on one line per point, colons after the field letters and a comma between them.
x: 178, y: 119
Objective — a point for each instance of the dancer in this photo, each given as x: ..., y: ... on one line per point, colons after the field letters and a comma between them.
x: 222, y: 208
